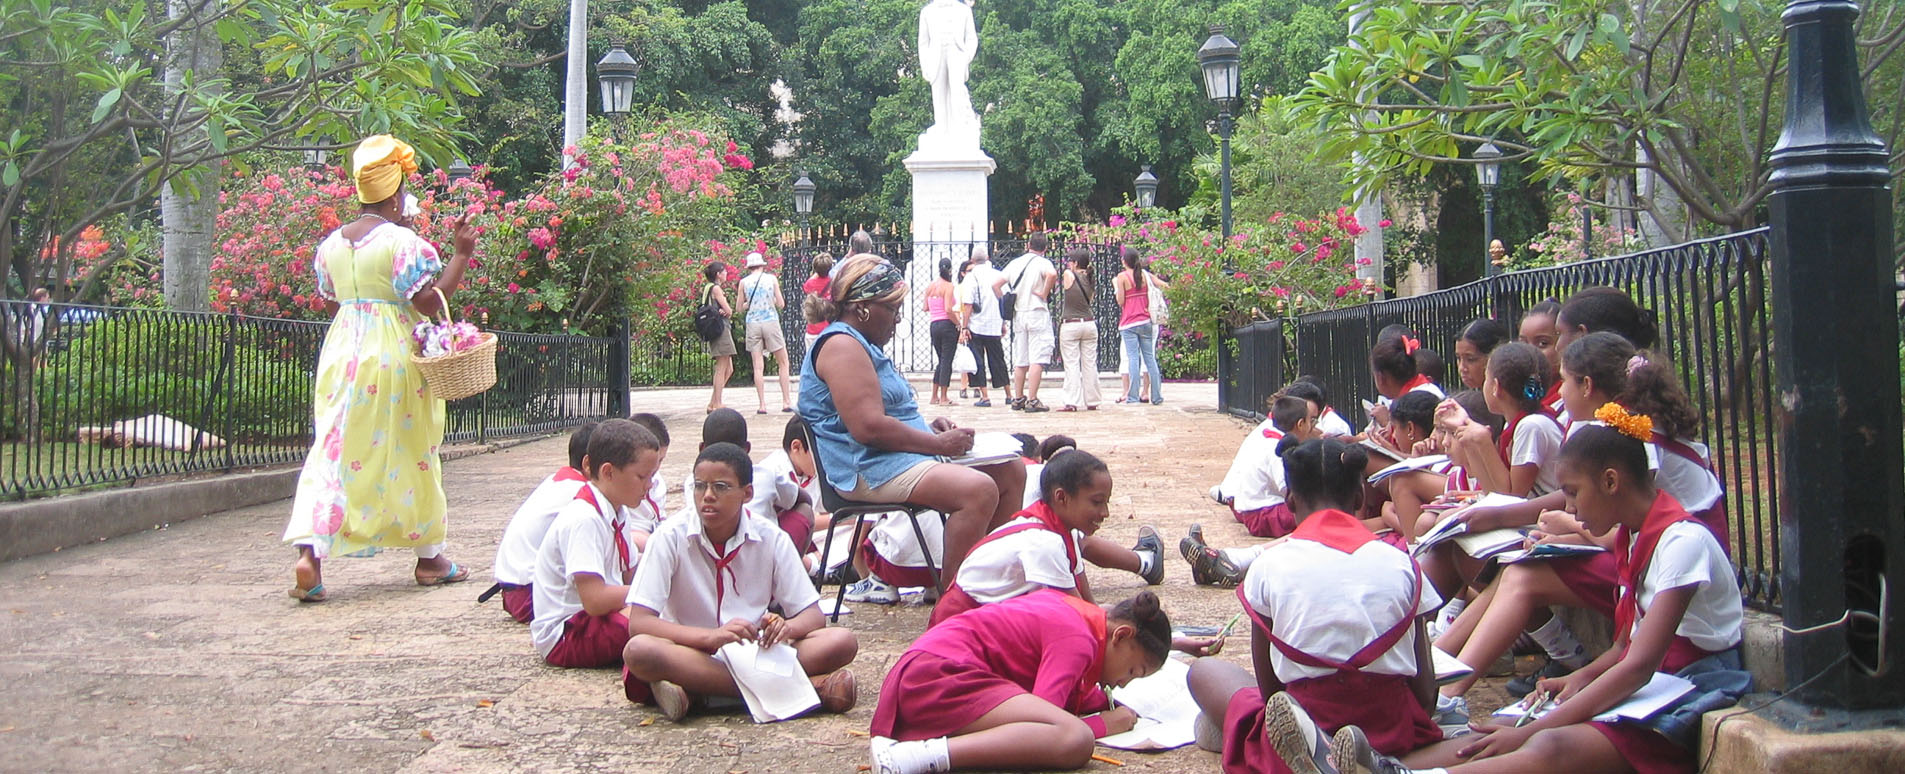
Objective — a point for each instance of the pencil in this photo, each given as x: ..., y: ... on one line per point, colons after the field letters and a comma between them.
x: 1540, y: 702
x: 1112, y: 761
x: 1228, y: 625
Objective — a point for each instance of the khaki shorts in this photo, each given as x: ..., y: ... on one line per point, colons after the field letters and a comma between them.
x: 1032, y: 339
x: 765, y: 337
x: 897, y: 490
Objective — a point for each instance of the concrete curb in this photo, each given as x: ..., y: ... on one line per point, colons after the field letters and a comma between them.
x: 43, y: 526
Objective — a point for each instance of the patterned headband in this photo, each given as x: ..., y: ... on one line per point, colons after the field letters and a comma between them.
x: 875, y: 283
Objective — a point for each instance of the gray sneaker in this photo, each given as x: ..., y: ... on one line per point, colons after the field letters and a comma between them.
x: 1149, y: 542
x: 1451, y: 711
x: 1297, y: 739
x: 1351, y: 753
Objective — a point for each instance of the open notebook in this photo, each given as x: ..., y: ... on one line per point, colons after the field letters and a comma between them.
x: 1660, y: 692
x: 1167, y: 715
x: 990, y: 449
x: 770, y: 679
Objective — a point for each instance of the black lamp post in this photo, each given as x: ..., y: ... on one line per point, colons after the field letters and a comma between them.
x: 1147, y: 187
x: 616, y: 74
x: 1220, y: 62
x: 1488, y: 171
x: 803, y: 201
x: 458, y: 170
x: 314, y: 159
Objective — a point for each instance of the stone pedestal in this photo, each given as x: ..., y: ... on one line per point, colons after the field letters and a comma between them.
x: 950, y: 212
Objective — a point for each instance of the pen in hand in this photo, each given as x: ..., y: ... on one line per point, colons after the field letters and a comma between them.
x: 1535, y: 706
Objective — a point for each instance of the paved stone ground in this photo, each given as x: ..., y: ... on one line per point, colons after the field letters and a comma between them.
x: 178, y: 650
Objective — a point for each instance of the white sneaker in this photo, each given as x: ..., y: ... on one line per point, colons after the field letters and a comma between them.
x: 883, y: 762
x: 871, y: 590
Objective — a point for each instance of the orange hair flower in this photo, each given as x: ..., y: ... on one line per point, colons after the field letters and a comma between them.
x: 1636, y: 426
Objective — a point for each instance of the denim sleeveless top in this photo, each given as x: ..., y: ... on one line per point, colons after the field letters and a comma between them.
x: 846, y: 459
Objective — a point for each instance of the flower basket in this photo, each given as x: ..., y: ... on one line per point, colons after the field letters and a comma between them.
x: 464, y: 370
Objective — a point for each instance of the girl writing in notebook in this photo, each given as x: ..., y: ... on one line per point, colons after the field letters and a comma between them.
x: 1015, y: 685
x: 1678, y: 612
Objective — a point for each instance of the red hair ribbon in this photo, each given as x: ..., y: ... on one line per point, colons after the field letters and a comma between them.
x: 1409, y: 345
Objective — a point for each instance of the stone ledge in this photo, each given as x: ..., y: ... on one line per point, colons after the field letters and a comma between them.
x: 1737, y: 741
x: 43, y: 526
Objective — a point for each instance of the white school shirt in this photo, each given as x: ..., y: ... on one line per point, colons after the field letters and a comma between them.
x: 1688, y: 554
x: 676, y: 577
x: 582, y: 539
x: 522, y: 539
x: 1022, y: 277
x: 1690, y: 482
x: 1537, y: 442
x: 975, y: 291
x: 1330, y: 604
x: 782, y: 467
x: 894, y: 541
x: 1032, y: 472
x: 1255, y: 479
x: 652, y: 509
x: 773, y: 492
x: 1431, y: 388
x: 1333, y: 424
x: 1019, y: 564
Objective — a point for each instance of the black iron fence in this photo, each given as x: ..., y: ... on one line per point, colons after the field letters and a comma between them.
x: 99, y: 395
x: 1257, y: 372
x: 1712, y: 303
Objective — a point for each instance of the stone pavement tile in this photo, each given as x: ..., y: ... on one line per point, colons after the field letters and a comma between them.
x: 178, y: 650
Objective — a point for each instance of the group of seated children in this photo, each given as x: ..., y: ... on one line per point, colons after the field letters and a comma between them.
x: 613, y: 581
x: 1588, y: 435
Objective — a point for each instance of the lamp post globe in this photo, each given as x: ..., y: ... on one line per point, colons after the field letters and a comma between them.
x: 804, y: 199
x: 1221, y: 64
x: 459, y: 170
x: 1146, y: 187
x: 616, y: 74
x: 314, y: 159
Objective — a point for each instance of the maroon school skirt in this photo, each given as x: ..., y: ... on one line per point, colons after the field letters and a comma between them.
x: 1383, y: 706
x: 1647, y: 750
x: 1272, y: 522
x: 927, y: 696
x: 520, y: 603
x: 894, y: 574
x: 1593, y: 578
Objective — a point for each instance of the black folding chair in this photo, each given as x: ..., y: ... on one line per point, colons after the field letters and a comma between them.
x: 841, y: 507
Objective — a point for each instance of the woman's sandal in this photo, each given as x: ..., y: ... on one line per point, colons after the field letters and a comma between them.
x: 311, y: 595
x: 455, y: 575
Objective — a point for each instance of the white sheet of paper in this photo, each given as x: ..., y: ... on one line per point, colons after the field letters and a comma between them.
x: 1482, y: 545
x: 1448, y: 668
x: 1660, y: 691
x: 1167, y: 714
x: 772, y: 690
x: 826, y: 606
x: 1413, y: 463
x: 1449, y: 526
x: 990, y: 449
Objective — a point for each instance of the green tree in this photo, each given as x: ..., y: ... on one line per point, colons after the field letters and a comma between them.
x: 1683, y: 96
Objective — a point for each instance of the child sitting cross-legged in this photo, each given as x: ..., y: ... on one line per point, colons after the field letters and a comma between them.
x: 1337, y: 618
x: 1678, y: 612
x: 583, y: 566
x: 712, y: 579
x: 1015, y: 685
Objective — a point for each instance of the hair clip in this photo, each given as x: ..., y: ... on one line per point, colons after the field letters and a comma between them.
x: 1636, y: 426
x: 1634, y: 363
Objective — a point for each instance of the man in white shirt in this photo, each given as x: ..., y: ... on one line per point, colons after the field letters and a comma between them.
x: 1031, y: 277
x: 980, y: 324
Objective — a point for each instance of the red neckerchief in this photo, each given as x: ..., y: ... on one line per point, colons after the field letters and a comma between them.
x: 568, y: 474
x: 1632, y: 555
x: 587, y: 494
x: 1273, y: 433
x: 723, y: 562
x: 1553, y: 398
x: 1418, y: 381
x: 1335, y: 529
x: 802, y: 481
x: 1506, y: 443
x: 1043, y: 513
x: 1095, y: 620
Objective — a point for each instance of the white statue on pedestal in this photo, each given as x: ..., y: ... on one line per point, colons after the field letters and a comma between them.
x: 947, y: 43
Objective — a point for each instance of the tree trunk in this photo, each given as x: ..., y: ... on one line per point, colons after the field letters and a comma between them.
x: 188, y: 216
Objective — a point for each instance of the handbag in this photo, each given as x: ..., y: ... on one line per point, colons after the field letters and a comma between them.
x: 1159, y: 309
x: 710, y: 323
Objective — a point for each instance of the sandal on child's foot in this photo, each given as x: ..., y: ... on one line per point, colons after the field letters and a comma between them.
x: 838, y: 693
x: 313, y: 594
x: 671, y: 699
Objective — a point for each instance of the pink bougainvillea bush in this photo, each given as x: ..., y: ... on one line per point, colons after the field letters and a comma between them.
x: 1286, y: 265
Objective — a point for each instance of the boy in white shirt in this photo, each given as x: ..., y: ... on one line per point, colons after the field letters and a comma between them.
x: 522, y: 539
x: 647, y: 516
x: 1253, y: 487
x: 778, y: 496
x: 715, y: 579
x: 583, y: 569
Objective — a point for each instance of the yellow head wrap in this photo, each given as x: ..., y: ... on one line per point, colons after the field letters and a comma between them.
x: 380, y: 164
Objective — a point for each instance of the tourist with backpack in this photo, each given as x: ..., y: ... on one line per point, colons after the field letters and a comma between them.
x: 711, y: 324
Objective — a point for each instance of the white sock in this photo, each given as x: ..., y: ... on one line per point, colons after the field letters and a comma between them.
x: 1446, y: 618
x: 1449, y: 702
x: 926, y: 756
x: 1555, y: 638
x: 1145, y: 559
x: 1242, y: 557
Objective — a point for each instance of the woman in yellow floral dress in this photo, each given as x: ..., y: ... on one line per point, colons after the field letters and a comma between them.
x: 372, y: 479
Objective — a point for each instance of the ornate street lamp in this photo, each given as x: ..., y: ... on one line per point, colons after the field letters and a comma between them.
x: 1147, y: 187
x: 1488, y: 172
x: 803, y: 201
x: 616, y: 74
x: 1221, y: 64
x: 314, y: 159
x: 459, y: 170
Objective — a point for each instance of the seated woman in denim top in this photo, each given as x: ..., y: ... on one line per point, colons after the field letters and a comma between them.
x: 869, y: 432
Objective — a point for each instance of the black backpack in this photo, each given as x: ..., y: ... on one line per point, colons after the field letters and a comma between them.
x: 710, y: 323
